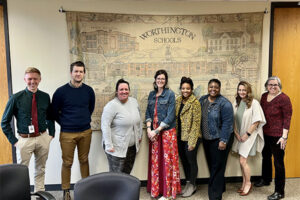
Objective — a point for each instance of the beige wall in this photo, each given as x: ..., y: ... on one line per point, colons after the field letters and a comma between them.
x: 38, y: 37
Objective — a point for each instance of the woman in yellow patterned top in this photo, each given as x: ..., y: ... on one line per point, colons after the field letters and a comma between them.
x: 188, y: 118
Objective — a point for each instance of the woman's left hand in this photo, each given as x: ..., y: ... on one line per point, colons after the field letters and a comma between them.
x: 282, y: 143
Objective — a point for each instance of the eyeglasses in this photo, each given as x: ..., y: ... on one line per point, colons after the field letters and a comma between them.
x: 272, y: 85
x: 161, y: 79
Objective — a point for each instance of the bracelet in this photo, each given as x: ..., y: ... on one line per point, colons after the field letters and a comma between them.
x: 149, y: 127
x: 156, y: 131
x: 248, y: 134
x: 284, y: 138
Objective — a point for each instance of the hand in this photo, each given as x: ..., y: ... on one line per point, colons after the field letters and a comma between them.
x: 111, y: 150
x: 152, y: 135
x: 222, y: 145
x: 282, y: 143
x: 238, y: 137
x: 15, y: 145
x: 191, y: 148
x: 244, y: 137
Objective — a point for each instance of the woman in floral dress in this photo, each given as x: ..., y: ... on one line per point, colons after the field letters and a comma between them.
x: 163, y: 166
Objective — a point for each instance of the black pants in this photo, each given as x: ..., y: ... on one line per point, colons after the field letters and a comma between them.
x: 124, y: 165
x: 271, y: 148
x: 216, y: 160
x: 188, y: 160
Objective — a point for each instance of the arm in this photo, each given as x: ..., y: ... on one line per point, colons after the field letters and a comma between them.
x: 287, y: 115
x: 170, y: 113
x: 148, y: 112
x: 107, y: 117
x: 50, y: 120
x: 56, y: 106
x: 250, y: 130
x: 195, y: 129
x: 92, y: 101
x: 6, y: 119
x: 236, y: 132
x: 227, y: 121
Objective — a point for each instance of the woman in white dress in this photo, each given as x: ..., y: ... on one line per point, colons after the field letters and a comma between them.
x: 248, y: 122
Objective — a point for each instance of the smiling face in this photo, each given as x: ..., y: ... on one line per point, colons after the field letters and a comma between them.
x: 160, y: 81
x: 77, y: 74
x: 242, y: 92
x: 273, y: 87
x: 186, y: 90
x: 32, y: 80
x: 123, y: 92
x: 214, y: 89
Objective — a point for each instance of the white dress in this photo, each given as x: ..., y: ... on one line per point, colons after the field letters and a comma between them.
x: 250, y: 116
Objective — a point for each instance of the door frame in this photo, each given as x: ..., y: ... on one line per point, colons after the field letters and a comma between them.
x: 273, y: 6
x: 8, y: 64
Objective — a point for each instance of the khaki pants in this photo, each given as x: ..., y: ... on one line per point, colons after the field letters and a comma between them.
x: 39, y: 146
x: 68, y: 143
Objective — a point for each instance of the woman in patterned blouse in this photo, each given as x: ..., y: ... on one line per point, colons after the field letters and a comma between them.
x: 188, y: 118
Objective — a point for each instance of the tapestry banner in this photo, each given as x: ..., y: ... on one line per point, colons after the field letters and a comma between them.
x: 134, y: 47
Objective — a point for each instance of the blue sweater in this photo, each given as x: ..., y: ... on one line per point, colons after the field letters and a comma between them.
x: 73, y: 107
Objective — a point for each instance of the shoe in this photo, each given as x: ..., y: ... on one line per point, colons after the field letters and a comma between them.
x: 246, y: 193
x: 261, y: 183
x: 240, y: 190
x: 276, y: 196
x: 190, y: 191
x: 165, y: 198
x: 67, y: 195
x: 185, y: 187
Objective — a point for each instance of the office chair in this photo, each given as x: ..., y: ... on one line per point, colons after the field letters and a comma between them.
x: 15, y: 184
x: 108, y: 186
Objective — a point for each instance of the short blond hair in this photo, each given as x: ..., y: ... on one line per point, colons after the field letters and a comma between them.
x: 32, y: 70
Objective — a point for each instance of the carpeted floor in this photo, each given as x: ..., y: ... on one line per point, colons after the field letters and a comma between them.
x: 292, y: 192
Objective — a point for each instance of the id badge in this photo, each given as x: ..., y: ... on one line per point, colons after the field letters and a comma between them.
x: 31, y: 128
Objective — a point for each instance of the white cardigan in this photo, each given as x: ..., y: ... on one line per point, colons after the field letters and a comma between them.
x: 250, y: 116
x: 117, y: 123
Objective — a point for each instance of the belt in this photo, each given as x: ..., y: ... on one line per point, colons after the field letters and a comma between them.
x: 31, y: 135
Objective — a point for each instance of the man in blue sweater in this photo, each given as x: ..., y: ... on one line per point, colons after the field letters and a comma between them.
x: 73, y: 105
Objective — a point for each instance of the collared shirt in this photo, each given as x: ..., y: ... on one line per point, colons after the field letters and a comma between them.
x: 19, y: 106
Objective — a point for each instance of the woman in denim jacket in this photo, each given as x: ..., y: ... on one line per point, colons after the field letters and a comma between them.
x: 216, y: 128
x: 163, y: 169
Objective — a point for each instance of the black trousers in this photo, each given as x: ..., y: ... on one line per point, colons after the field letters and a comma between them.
x: 188, y: 160
x: 124, y: 165
x: 271, y: 148
x: 216, y: 161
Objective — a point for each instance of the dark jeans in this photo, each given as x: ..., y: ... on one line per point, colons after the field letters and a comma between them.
x: 188, y: 160
x: 124, y: 165
x: 216, y: 160
x: 271, y: 148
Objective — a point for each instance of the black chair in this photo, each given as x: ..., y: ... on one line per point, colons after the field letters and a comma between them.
x: 15, y: 184
x: 108, y: 186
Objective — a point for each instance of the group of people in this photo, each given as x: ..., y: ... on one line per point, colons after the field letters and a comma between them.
x: 72, y: 106
x: 175, y: 128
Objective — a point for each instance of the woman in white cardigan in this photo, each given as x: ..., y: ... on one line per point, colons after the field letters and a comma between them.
x: 248, y: 122
x: 121, y: 127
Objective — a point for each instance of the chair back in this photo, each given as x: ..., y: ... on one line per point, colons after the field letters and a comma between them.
x: 14, y: 182
x: 108, y: 186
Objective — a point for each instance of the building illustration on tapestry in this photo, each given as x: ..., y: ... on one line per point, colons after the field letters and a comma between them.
x: 227, y: 47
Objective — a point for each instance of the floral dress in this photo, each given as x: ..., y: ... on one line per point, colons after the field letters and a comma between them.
x: 163, y: 169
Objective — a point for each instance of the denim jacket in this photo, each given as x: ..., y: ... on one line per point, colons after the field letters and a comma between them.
x: 165, y: 109
x: 220, y: 118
